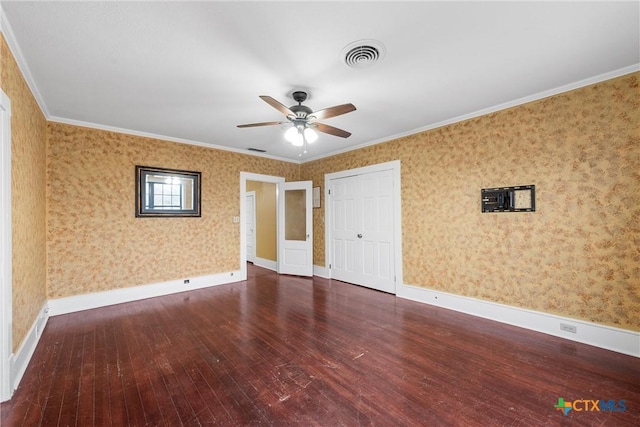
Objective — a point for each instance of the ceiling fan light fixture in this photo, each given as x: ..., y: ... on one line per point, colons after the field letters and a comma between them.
x: 294, y: 136
x: 310, y: 135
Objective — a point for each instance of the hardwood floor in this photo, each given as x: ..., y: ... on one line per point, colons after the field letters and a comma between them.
x: 279, y: 350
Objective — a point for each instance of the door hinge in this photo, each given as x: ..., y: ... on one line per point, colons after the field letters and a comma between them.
x: 329, y: 266
x: 329, y: 191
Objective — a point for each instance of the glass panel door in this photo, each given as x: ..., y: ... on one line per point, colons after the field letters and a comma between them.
x: 295, y: 228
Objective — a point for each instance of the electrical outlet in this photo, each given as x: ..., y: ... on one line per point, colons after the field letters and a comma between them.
x: 186, y: 281
x: 568, y: 328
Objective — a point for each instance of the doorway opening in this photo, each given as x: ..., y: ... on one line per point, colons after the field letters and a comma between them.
x: 246, y: 177
x: 290, y: 218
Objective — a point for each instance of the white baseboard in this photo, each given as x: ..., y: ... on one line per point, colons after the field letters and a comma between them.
x: 321, y: 271
x: 117, y: 296
x: 20, y: 360
x: 265, y: 263
x: 607, y: 337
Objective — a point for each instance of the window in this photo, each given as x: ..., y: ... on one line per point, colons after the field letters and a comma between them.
x: 163, y: 195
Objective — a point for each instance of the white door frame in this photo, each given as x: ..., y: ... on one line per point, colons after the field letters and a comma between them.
x: 394, y: 166
x: 244, y: 177
x: 6, y: 303
x: 253, y: 224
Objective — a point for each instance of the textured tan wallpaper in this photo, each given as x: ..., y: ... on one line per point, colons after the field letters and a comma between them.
x: 578, y: 255
x: 28, y: 165
x: 94, y: 240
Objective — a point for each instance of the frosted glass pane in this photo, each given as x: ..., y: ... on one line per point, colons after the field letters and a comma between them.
x: 295, y: 215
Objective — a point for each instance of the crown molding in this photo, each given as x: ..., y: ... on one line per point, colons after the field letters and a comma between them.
x: 506, y: 105
x: 5, y: 28
x: 107, y: 128
x: 7, y: 31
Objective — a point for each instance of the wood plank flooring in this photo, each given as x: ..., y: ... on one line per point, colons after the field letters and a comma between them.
x: 290, y: 351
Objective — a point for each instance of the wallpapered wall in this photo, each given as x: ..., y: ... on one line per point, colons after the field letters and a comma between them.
x: 28, y: 163
x: 95, y: 242
x: 578, y: 255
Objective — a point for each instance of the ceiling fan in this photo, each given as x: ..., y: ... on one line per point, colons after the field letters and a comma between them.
x: 304, y: 119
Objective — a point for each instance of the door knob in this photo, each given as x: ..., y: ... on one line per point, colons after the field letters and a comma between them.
x: 359, y: 236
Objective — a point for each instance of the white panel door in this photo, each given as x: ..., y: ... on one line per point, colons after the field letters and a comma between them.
x: 295, y: 228
x: 251, y: 225
x: 345, y: 213
x: 363, y: 230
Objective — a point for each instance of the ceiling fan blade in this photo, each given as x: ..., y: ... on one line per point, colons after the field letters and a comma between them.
x: 332, y: 112
x: 251, y: 125
x: 331, y: 130
x: 277, y: 105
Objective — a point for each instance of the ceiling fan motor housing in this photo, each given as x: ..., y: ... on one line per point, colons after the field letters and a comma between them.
x: 301, y: 111
x: 299, y: 96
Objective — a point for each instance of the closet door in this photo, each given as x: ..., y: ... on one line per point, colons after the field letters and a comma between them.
x: 362, y: 230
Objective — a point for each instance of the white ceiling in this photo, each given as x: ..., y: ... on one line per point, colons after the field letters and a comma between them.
x: 192, y: 71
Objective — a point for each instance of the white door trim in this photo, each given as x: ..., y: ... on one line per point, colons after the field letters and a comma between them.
x: 6, y: 303
x: 253, y: 224
x: 394, y: 166
x: 244, y: 177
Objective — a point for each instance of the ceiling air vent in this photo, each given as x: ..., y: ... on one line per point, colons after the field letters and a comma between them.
x: 363, y: 53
